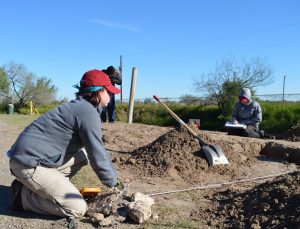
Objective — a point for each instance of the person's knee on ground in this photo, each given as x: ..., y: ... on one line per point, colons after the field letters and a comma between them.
x: 252, y: 131
x: 75, y: 207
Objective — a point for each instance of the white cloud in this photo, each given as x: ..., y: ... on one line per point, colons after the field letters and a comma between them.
x: 130, y: 28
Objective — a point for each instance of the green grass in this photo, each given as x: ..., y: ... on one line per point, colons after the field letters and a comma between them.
x: 278, y: 117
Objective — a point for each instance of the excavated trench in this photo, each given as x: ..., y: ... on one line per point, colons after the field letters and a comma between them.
x: 281, y: 151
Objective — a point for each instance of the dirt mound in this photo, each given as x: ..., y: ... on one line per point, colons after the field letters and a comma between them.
x: 178, y: 154
x: 273, y: 204
x: 293, y: 134
x: 287, y: 153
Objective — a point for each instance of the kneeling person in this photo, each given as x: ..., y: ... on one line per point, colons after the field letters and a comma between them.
x: 249, y: 113
x: 58, y: 144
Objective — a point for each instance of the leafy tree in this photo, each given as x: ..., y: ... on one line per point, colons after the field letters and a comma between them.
x: 4, y: 83
x: 230, y: 76
x: 44, y: 92
x: 228, y: 96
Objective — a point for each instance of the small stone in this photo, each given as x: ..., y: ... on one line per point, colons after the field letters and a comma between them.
x: 155, y: 216
x: 255, y: 225
x: 97, y: 217
x: 131, y: 161
x: 115, y: 160
x: 119, y: 218
x: 106, y: 222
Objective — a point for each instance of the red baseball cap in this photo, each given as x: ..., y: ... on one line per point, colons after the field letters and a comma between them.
x: 98, y: 78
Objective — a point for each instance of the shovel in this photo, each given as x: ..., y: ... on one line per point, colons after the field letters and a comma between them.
x: 213, y: 153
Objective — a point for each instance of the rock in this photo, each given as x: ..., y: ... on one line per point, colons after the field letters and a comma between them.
x: 131, y: 161
x: 139, y: 212
x: 119, y: 218
x: 255, y: 225
x: 97, y: 217
x: 115, y: 160
x: 143, y: 198
x: 155, y: 217
x: 122, y: 158
x: 106, y: 222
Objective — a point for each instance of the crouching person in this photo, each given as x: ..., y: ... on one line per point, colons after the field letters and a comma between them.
x: 57, y: 145
x: 249, y: 113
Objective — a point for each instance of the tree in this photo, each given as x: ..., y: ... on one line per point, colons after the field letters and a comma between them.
x: 4, y: 83
x: 26, y: 86
x: 44, y: 92
x: 228, y: 96
x: 230, y: 76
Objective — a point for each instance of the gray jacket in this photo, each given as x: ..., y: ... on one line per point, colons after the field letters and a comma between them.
x: 250, y: 114
x: 55, y: 137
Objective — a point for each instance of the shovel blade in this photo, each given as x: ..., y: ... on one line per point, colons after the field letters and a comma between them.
x: 214, y: 155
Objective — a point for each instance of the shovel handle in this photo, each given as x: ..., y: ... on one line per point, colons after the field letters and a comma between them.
x: 174, y: 115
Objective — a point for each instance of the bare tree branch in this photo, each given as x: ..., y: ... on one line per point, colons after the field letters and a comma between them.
x: 251, y: 73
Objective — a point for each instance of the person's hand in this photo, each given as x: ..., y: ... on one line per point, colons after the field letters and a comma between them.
x: 235, y: 122
x: 119, y: 185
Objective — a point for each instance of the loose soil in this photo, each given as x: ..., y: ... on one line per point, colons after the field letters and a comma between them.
x: 158, y: 159
x: 293, y: 134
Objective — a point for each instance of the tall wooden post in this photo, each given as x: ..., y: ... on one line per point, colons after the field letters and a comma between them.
x: 132, y: 93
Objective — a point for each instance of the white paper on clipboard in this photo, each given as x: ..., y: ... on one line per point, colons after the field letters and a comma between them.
x: 229, y: 124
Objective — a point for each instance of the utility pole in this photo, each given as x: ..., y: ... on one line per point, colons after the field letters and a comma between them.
x: 121, y: 75
x: 283, y: 87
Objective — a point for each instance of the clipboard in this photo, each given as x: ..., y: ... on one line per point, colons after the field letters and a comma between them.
x: 229, y: 124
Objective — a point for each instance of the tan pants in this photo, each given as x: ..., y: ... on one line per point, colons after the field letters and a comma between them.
x: 49, y: 190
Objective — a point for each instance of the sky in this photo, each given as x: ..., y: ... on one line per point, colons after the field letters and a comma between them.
x: 170, y: 42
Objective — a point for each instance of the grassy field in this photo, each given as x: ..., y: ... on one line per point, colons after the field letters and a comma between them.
x: 278, y: 117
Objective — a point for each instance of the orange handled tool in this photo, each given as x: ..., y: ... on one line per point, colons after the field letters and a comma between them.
x: 90, y: 192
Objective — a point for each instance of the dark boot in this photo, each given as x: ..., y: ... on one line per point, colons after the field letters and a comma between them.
x: 16, y: 199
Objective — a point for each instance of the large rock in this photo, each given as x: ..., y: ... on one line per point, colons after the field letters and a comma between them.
x: 143, y: 198
x: 139, y: 212
x: 140, y: 209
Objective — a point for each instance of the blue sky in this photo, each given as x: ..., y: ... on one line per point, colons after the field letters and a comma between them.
x: 169, y: 42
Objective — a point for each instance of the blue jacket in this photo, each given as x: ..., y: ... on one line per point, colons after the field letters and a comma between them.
x: 56, y: 136
x: 250, y: 114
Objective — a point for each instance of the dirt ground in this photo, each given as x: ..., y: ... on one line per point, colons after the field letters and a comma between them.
x: 160, y: 159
